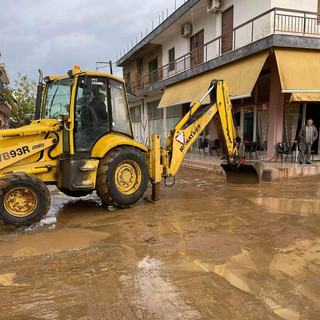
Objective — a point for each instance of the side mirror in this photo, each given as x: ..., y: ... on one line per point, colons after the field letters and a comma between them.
x: 87, y: 86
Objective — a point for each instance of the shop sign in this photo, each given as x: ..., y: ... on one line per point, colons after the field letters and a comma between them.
x: 263, y: 106
x: 248, y: 109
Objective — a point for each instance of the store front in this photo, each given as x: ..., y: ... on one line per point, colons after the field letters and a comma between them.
x: 313, y: 111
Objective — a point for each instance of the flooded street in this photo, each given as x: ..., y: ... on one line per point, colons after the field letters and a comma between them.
x: 206, y: 250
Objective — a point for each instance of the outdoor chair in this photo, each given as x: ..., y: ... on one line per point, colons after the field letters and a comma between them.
x: 203, y: 145
x: 252, y: 150
x: 282, y: 149
x: 215, y: 147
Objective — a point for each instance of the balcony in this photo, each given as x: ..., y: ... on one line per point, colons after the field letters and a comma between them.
x: 274, y: 21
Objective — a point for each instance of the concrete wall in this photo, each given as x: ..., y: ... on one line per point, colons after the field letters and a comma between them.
x: 137, y: 65
x: 244, y: 10
x: 212, y: 26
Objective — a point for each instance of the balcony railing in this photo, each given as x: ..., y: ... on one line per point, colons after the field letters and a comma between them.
x: 3, y: 97
x: 273, y: 21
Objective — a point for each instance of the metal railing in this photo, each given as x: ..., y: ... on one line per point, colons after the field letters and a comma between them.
x: 273, y: 21
x: 3, y: 97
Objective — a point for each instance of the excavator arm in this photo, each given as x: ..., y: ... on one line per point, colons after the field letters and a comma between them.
x: 165, y: 162
x: 190, y: 127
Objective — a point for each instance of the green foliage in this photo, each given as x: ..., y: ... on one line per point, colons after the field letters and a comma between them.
x: 25, y: 94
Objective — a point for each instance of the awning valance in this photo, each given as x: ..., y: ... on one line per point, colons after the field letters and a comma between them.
x: 240, y: 76
x: 299, y: 71
x: 305, y: 97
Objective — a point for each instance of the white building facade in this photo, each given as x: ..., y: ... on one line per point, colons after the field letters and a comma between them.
x: 240, y: 41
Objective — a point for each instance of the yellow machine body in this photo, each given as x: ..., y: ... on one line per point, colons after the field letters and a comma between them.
x: 185, y: 133
x: 69, y: 146
x: 38, y: 148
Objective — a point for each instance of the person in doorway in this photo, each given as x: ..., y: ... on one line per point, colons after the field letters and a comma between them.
x: 99, y: 107
x: 307, y: 136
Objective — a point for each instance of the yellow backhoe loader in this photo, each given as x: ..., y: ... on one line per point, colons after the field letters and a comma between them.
x: 82, y: 141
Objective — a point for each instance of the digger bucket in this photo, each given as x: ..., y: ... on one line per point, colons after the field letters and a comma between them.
x: 248, y: 173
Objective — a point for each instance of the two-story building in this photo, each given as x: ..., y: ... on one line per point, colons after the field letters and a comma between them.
x: 5, y: 107
x: 268, y: 51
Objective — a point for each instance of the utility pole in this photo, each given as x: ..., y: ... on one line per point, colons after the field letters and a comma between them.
x: 105, y: 64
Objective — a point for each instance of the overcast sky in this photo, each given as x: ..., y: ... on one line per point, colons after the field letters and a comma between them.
x: 55, y: 35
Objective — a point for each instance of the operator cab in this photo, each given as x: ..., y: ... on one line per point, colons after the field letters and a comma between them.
x: 94, y: 103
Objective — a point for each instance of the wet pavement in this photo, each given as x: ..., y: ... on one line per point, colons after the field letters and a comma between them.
x: 206, y: 250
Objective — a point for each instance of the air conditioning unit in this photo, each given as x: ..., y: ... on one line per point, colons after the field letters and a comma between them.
x: 213, y: 6
x: 186, y: 30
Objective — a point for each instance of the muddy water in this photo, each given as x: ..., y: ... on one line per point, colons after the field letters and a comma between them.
x: 207, y: 250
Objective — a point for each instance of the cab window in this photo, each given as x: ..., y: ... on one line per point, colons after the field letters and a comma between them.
x: 92, y: 118
x: 58, y: 97
x: 120, y: 114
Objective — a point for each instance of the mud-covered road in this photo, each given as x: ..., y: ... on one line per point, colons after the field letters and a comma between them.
x: 207, y: 250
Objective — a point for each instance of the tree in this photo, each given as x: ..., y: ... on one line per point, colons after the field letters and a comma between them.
x: 22, y: 100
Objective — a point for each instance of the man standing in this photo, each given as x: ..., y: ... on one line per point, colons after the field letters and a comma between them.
x: 307, y: 136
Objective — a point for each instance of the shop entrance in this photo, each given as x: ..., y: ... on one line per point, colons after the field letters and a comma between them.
x: 248, y: 125
x: 313, y: 111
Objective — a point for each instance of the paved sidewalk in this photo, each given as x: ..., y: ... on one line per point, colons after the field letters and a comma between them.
x: 272, y: 171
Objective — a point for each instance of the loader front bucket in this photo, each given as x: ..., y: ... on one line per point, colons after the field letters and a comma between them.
x: 248, y: 173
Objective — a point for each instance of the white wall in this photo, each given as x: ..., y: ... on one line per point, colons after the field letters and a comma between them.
x: 244, y: 10
x: 181, y: 46
x: 305, y: 5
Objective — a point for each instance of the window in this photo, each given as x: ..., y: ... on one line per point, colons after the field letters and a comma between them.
x: 153, y: 71
x: 58, y: 98
x: 135, y: 114
x: 156, y: 123
x: 92, y: 119
x: 174, y: 111
x: 197, y: 49
x: 173, y: 116
x: 171, y: 59
x: 128, y: 82
x: 120, y: 113
x: 154, y: 112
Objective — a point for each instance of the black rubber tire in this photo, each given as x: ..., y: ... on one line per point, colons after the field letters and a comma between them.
x: 27, y: 181
x: 106, y: 187
x: 75, y: 193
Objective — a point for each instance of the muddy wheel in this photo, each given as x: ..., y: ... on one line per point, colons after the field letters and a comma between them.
x: 75, y: 193
x: 122, y: 177
x: 24, y: 199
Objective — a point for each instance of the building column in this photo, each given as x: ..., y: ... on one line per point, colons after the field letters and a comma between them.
x: 304, y: 115
x: 165, y: 125
x: 241, y: 133
x: 276, y: 112
x: 255, y: 116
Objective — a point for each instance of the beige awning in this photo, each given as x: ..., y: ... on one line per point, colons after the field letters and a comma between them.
x: 299, y: 71
x: 240, y: 76
x: 305, y: 97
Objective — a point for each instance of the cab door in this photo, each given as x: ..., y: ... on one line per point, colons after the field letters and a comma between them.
x: 92, y: 113
x: 102, y: 110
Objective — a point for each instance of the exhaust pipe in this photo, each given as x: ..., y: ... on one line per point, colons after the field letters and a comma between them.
x: 39, y: 96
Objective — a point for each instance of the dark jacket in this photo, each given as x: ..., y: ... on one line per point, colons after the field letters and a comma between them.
x: 303, y: 133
